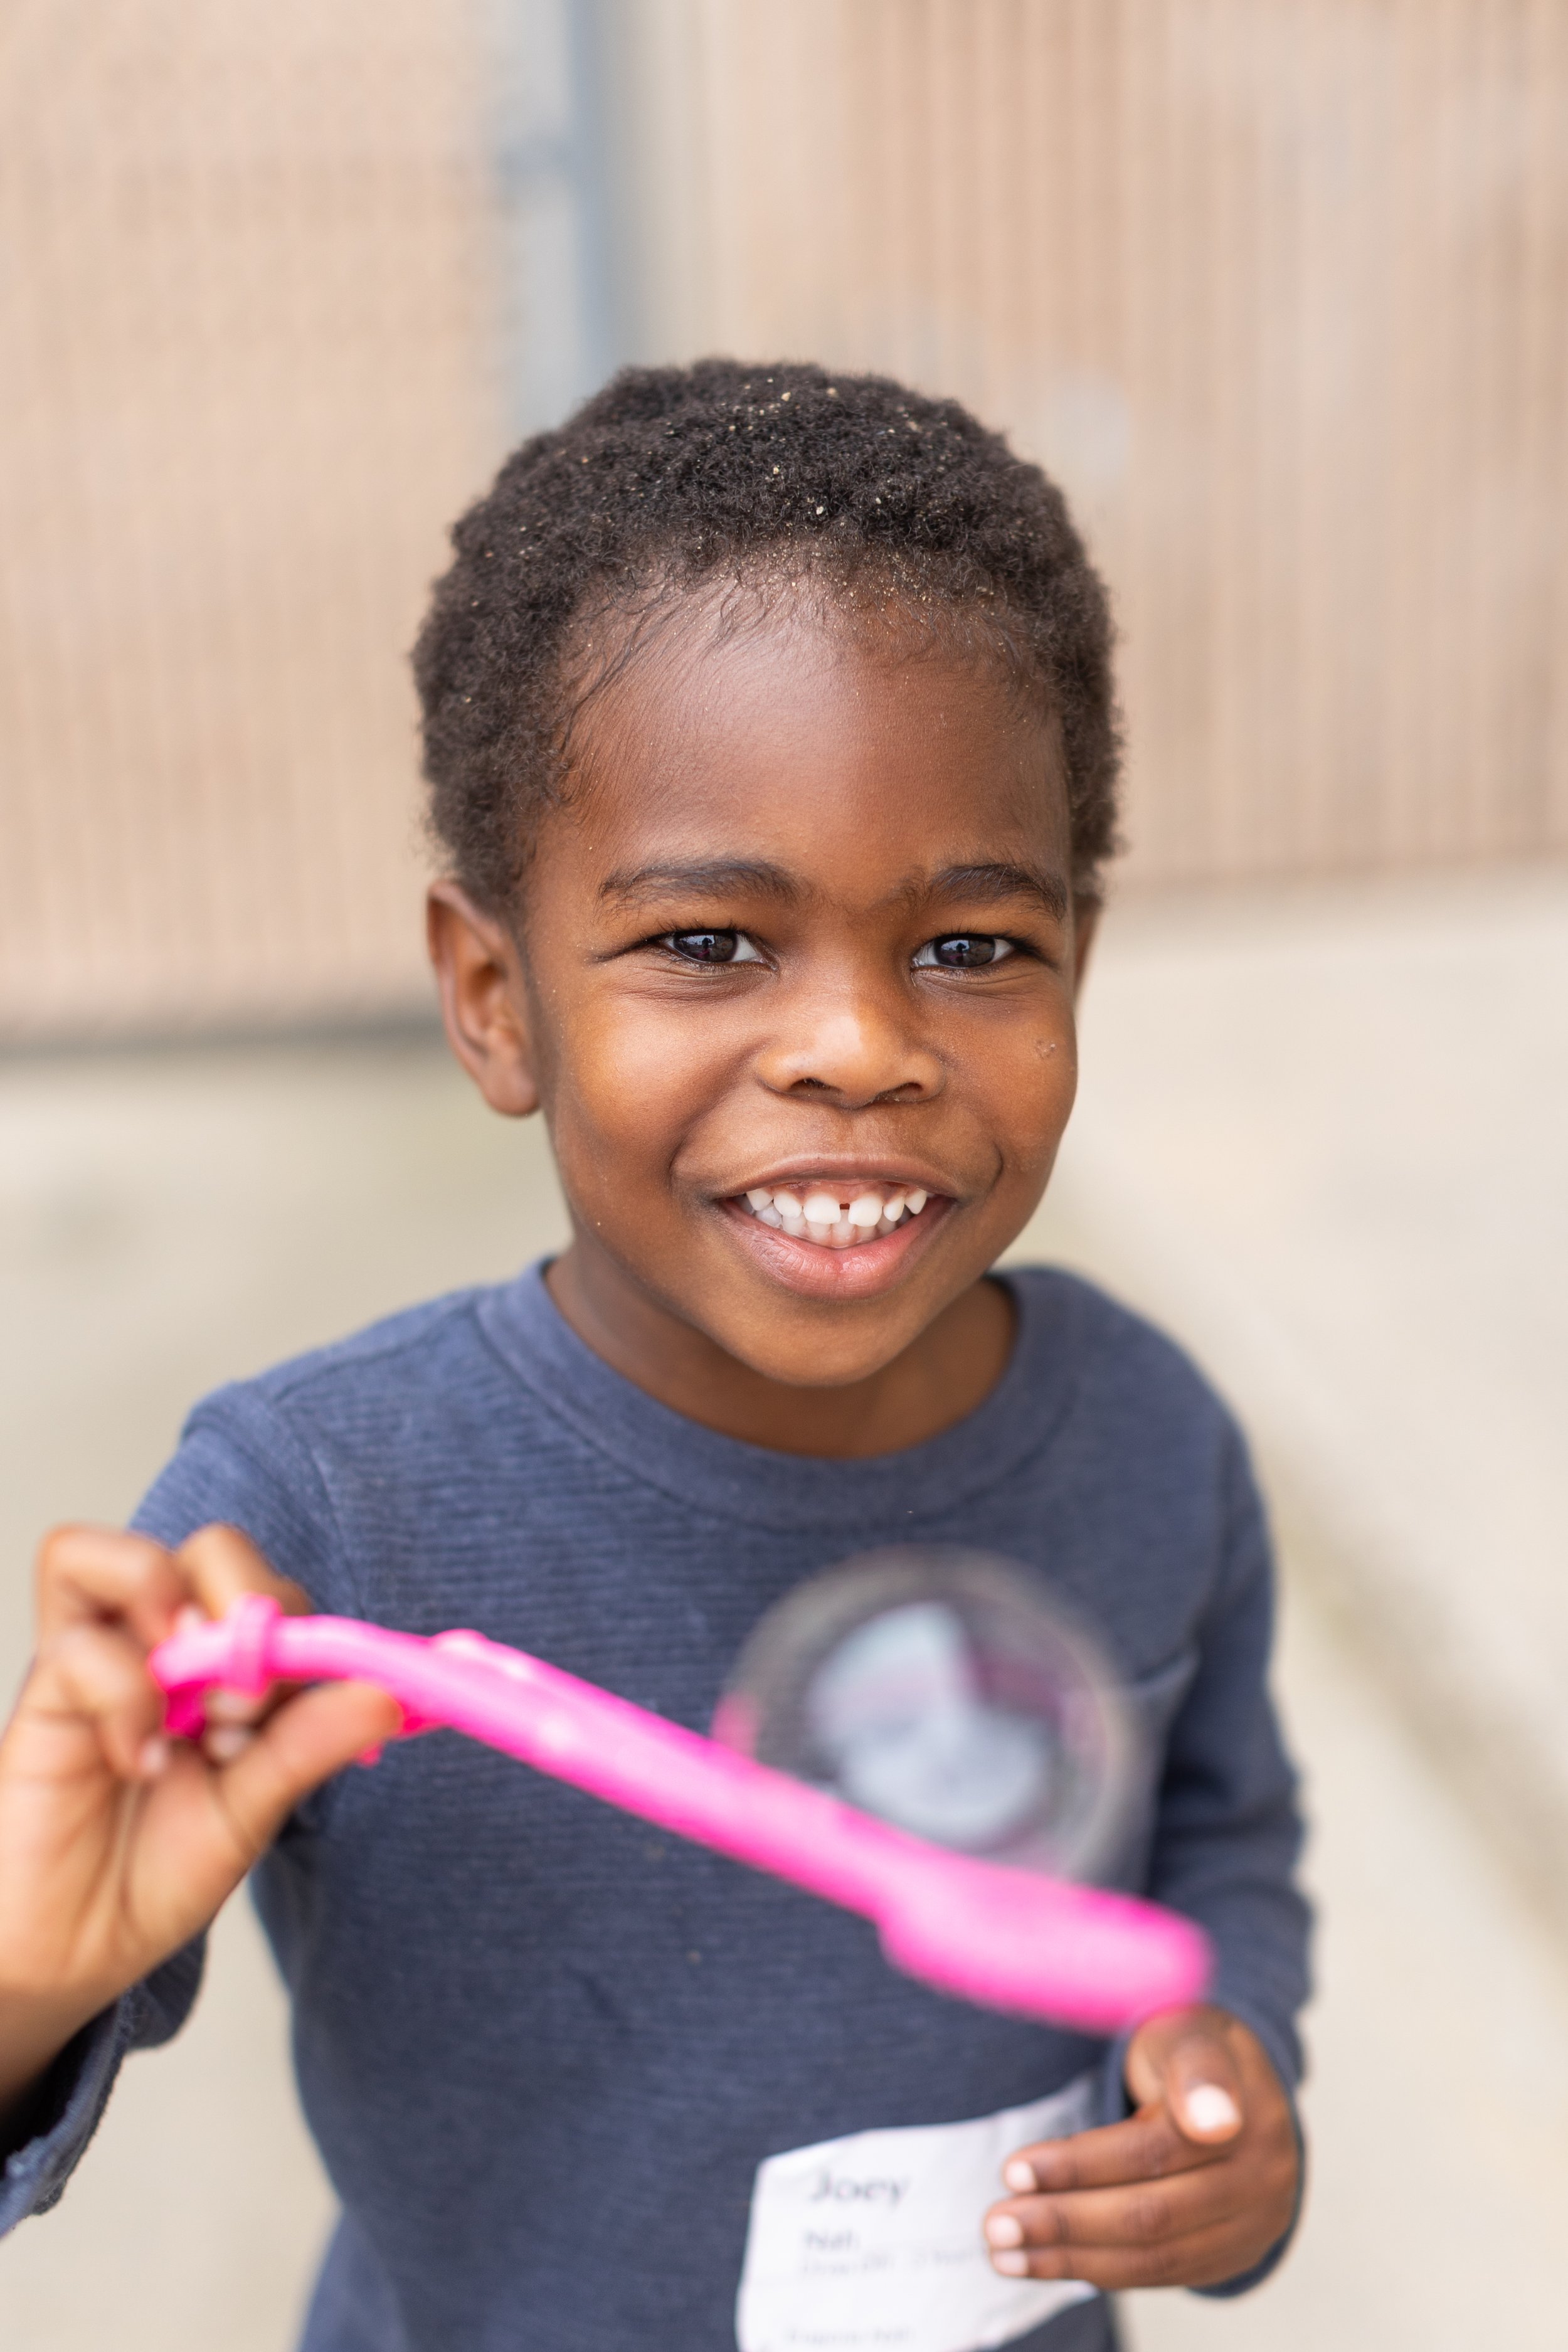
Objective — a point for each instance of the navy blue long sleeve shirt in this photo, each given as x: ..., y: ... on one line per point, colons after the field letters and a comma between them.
x: 515, y: 2008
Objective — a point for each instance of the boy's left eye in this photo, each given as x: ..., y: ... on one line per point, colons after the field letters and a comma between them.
x: 964, y: 951
x: 711, y: 947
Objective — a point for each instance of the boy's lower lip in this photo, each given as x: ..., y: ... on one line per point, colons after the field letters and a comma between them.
x: 814, y: 1271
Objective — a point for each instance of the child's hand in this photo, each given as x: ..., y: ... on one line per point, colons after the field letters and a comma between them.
x: 116, y: 1847
x: 1192, y: 2189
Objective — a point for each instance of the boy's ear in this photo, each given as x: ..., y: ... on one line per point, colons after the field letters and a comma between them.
x: 484, y: 998
x: 1085, y: 923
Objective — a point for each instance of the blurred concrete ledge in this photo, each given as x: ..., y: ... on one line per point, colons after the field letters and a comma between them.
x: 1323, y: 1134
x: 415, y: 1020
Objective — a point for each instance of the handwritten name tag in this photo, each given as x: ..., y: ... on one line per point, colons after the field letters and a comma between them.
x: 872, y: 2244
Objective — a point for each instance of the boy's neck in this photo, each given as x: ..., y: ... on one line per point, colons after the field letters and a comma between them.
x: 939, y: 1378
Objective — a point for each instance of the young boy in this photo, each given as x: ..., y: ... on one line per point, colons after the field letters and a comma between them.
x: 770, y: 728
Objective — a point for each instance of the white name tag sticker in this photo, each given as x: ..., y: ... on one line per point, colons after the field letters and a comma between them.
x: 873, y: 2245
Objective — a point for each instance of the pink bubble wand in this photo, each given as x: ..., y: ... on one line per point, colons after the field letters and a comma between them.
x: 1006, y: 1939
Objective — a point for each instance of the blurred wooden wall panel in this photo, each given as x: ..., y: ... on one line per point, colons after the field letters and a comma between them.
x: 1277, y: 288
x: 248, y: 384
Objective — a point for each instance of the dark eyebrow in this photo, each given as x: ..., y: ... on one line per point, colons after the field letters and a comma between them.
x: 707, y: 877
x: 989, y: 881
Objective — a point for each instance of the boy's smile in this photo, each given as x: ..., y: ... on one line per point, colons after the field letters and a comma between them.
x: 794, y: 982
x: 798, y: 1224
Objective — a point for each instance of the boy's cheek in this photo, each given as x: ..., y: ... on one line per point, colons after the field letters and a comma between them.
x: 627, y: 1085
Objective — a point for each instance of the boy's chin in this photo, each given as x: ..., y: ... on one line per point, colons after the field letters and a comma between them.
x: 811, y: 1366
x: 820, y: 1344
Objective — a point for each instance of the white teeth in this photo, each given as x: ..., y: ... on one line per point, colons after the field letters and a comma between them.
x: 825, y: 1217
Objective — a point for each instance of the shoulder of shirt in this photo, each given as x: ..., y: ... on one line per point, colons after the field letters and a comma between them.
x: 416, y: 1339
x: 1115, y: 1343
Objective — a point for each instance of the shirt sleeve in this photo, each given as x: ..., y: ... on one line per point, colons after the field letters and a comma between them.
x: 241, y: 1461
x: 236, y: 1463
x: 1228, y: 1827
x: 77, y: 2091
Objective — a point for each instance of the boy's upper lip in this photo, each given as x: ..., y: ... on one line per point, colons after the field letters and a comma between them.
x: 851, y: 1169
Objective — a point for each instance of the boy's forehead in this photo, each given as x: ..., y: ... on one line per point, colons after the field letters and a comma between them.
x: 801, y: 745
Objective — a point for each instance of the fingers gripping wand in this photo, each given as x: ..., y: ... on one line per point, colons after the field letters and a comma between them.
x: 1006, y: 1939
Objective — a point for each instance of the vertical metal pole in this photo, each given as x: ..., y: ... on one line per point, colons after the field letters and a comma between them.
x: 561, y: 328
x: 590, y: 38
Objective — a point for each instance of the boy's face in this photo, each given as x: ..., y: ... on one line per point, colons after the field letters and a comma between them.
x: 804, y: 932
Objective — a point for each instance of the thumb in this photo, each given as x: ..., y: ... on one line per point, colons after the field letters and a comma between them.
x: 1185, y: 2060
x: 306, y: 1741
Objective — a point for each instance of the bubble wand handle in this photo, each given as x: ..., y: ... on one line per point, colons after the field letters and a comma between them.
x: 1007, y: 1939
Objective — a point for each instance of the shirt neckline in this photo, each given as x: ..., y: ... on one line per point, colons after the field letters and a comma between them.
x: 728, y: 1478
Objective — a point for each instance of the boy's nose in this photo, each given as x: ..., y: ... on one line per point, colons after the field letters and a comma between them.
x: 856, y: 1053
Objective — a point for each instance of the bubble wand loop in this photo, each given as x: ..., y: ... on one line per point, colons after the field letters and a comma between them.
x: 1005, y: 1939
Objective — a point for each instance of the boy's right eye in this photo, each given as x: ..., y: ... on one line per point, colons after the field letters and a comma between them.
x: 711, y: 946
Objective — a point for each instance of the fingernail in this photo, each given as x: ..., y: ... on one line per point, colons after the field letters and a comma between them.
x: 152, y: 1757
x: 225, y: 1706
x: 225, y: 1742
x: 1011, y: 2265
x: 1210, y: 2109
x: 1004, y: 2230
x: 1020, y: 2176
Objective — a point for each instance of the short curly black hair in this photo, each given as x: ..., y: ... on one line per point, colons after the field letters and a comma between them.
x: 675, y: 480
